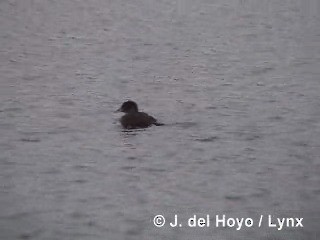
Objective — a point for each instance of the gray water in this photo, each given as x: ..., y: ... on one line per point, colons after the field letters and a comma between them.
x: 236, y: 83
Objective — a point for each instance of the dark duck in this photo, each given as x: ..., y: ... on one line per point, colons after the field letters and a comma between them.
x: 135, y: 119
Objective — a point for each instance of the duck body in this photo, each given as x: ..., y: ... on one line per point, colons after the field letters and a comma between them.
x: 135, y: 119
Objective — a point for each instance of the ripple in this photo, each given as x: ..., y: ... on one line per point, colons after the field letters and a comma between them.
x: 31, y: 235
x: 234, y: 197
x: 186, y: 124
x: 12, y: 109
x: 30, y: 139
x: 154, y: 170
x: 261, y: 70
x: 80, y: 181
x: 208, y: 139
x: 128, y: 168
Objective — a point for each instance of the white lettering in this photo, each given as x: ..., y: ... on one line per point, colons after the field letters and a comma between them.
x: 222, y: 221
x: 281, y: 222
x: 248, y: 222
x: 270, y: 222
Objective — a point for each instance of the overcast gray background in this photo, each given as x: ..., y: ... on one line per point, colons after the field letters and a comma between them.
x: 236, y: 82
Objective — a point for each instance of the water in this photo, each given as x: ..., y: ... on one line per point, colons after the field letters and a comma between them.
x: 236, y: 82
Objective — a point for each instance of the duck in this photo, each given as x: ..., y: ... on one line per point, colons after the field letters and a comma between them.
x: 135, y: 119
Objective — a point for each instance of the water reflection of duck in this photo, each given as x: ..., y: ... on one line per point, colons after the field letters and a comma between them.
x: 135, y: 119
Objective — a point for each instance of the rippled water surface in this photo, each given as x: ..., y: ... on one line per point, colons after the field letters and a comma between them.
x: 236, y: 83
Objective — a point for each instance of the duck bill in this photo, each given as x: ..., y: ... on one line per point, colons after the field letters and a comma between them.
x: 118, y: 110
